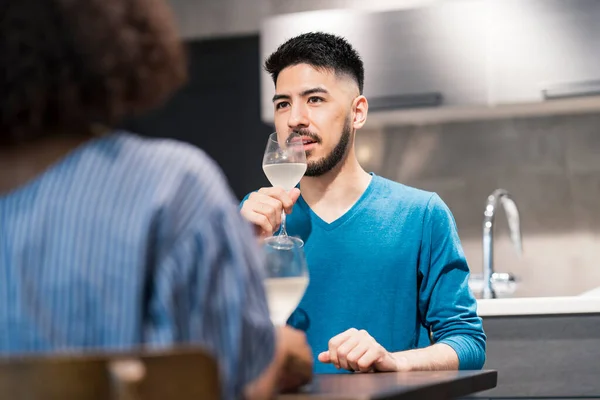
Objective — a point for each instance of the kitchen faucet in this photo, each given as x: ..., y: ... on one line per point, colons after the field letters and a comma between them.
x: 498, y: 196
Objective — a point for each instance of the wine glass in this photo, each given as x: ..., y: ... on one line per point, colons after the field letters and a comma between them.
x: 286, y: 277
x: 284, y: 164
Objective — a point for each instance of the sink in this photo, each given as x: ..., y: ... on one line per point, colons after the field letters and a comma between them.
x: 510, y: 302
x: 504, y: 285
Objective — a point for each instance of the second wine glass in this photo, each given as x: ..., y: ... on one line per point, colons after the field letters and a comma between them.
x: 286, y: 278
x: 284, y: 164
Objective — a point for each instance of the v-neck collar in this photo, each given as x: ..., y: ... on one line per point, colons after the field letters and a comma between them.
x: 356, y: 207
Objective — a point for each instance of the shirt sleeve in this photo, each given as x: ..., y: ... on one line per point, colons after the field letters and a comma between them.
x: 446, y: 304
x: 208, y: 285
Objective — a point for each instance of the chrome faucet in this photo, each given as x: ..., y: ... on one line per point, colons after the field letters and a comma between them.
x: 498, y: 196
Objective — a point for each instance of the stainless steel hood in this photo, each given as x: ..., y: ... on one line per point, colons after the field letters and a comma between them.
x: 462, y: 59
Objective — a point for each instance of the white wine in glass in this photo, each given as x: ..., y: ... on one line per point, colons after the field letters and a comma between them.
x: 285, y: 175
x: 284, y: 164
x: 286, y: 278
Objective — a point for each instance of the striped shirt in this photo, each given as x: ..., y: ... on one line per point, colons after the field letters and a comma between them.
x: 130, y: 241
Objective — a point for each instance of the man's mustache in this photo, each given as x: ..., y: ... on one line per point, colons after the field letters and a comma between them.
x: 306, y: 133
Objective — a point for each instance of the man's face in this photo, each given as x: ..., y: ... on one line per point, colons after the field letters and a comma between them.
x: 315, y: 105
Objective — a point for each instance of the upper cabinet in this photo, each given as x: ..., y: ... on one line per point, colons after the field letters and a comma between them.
x: 428, y: 57
x: 462, y: 59
x: 543, y: 50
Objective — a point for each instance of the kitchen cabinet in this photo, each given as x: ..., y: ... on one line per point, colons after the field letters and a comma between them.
x: 429, y: 56
x: 462, y: 59
x: 542, y: 50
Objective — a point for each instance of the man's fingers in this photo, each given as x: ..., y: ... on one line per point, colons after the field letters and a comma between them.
x: 264, y: 225
x: 335, y: 342
x: 357, y: 352
x: 272, y: 212
x: 294, y: 194
x: 287, y: 199
x: 366, y: 362
x: 269, y: 202
x: 260, y: 205
x: 345, y: 348
x: 324, y: 357
x: 264, y: 203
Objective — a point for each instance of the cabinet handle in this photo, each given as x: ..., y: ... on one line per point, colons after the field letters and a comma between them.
x: 416, y: 100
x: 569, y: 90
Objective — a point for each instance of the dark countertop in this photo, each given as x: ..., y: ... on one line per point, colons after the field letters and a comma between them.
x: 434, y: 385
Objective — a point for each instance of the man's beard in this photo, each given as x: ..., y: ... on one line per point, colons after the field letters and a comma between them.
x: 329, y: 162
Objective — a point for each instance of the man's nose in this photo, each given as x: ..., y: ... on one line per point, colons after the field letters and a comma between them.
x: 298, y: 117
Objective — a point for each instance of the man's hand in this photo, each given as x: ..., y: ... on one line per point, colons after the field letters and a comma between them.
x: 263, y: 208
x: 356, y: 350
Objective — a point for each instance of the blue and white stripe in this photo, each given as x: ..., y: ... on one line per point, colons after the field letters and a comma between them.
x: 130, y: 241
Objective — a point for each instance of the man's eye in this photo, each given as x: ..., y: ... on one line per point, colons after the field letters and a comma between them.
x: 281, y: 105
x: 315, y: 99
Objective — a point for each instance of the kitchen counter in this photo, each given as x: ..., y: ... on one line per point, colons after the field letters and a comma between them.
x: 585, y: 304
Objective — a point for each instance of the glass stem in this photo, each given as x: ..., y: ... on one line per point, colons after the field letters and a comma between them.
x: 282, y: 231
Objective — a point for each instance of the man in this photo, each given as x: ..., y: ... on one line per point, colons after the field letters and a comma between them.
x: 107, y: 240
x: 388, y: 278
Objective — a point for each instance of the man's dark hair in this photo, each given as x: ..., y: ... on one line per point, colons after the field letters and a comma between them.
x: 69, y: 64
x: 320, y: 50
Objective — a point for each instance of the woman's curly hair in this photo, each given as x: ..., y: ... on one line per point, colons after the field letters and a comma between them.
x: 68, y: 64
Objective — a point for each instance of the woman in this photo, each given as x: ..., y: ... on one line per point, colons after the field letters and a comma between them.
x: 108, y: 240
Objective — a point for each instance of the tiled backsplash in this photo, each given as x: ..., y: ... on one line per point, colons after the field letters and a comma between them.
x: 551, y: 165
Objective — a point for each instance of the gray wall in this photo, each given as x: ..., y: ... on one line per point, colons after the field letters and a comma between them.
x: 552, y: 167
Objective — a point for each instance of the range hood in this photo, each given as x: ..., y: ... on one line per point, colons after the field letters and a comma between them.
x: 462, y: 59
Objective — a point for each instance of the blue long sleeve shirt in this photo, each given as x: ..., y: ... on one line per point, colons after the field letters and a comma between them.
x: 392, y: 265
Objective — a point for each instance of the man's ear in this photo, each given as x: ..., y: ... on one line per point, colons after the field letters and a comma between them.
x: 360, y: 107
